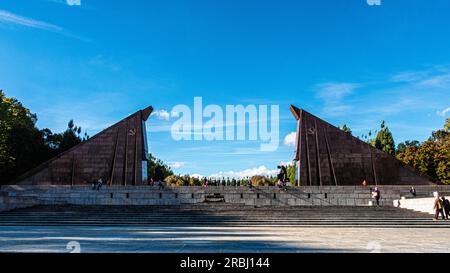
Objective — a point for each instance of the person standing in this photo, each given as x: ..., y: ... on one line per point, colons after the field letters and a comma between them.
x: 413, y: 192
x: 446, y: 206
x: 438, y: 208
x: 99, y: 184
x: 282, y: 177
x: 376, y: 194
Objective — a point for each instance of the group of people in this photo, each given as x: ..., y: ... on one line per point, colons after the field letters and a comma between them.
x: 441, y: 207
x: 160, y: 184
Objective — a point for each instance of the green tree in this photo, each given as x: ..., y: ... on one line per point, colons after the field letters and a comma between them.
x: 22, y: 145
x: 291, y: 171
x: 384, y: 140
x: 69, y: 138
x: 431, y: 157
x: 157, y: 169
x: 346, y: 129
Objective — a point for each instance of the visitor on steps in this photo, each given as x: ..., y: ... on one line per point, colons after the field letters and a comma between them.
x: 282, y: 177
x: 438, y: 208
x: 446, y: 205
x: 99, y: 184
x: 413, y: 192
x: 152, y: 182
x: 376, y: 194
x: 96, y: 185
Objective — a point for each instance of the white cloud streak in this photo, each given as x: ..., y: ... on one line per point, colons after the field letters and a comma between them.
x: 444, y: 112
x: 11, y: 18
x: 335, y: 91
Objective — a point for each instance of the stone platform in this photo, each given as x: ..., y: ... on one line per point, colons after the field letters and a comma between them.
x: 25, y: 196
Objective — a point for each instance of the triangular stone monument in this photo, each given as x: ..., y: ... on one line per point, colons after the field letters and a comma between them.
x: 118, y: 155
x: 327, y: 156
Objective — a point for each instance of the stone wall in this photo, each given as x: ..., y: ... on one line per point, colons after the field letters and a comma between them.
x: 17, y: 196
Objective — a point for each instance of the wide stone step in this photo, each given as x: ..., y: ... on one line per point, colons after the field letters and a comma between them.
x: 370, y: 217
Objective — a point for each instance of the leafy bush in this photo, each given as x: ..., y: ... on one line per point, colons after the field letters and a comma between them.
x: 259, y: 180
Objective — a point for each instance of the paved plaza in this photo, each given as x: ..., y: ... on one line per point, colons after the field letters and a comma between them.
x: 254, y: 239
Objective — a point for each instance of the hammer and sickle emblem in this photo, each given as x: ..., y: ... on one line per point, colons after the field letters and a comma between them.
x: 311, y: 131
x: 132, y: 132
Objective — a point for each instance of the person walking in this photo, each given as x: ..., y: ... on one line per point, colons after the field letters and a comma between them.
x: 446, y: 205
x: 376, y: 194
x: 438, y: 208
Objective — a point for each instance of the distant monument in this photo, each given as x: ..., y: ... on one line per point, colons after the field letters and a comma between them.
x: 118, y: 155
x: 327, y: 156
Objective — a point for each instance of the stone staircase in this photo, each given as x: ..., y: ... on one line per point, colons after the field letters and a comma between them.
x: 219, y: 214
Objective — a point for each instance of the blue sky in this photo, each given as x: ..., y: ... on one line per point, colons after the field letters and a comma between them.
x: 97, y: 61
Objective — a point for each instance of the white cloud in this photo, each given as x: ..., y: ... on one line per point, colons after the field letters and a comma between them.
x: 67, y: 2
x: 261, y: 170
x: 332, y: 94
x: 290, y: 139
x: 11, y: 18
x: 196, y: 175
x: 335, y: 90
x: 287, y: 163
x: 165, y: 115
x: 161, y: 114
x: 437, y: 81
x: 176, y: 165
x: 444, y: 112
x: 73, y: 2
x: 406, y: 77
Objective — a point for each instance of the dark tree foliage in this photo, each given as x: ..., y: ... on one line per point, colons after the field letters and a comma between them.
x: 22, y: 145
x: 157, y: 169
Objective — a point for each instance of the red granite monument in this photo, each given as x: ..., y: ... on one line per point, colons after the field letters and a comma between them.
x: 118, y: 155
x: 327, y: 156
